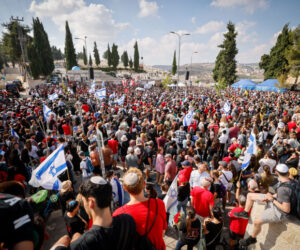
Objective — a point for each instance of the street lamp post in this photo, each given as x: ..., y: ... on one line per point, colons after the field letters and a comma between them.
x: 195, y: 52
x: 179, y: 44
x: 83, y: 39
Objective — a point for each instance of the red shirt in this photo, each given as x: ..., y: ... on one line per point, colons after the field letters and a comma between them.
x: 237, y: 225
x: 215, y: 127
x: 170, y: 170
x: 85, y: 107
x: 292, y: 125
x: 67, y: 129
x: 202, y: 199
x: 139, y: 213
x: 185, y: 174
x: 113, y: 144
x: 233, y: 147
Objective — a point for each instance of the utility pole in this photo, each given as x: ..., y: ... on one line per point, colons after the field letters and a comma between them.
x: 22, y: 40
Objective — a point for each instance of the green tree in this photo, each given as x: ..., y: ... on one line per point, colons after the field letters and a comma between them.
x: 225, y: 65
x: 84, y: 56
x: 90, y: 61
x: 96, y: 54
x: 174, y: 65
x: 130, y: 63
x: 115, y: 58
x: 11, y: 42
x: 107, y: 56
x: 39, y: 51
x: 276, y: 63
x: 69, y: 49
x: 56, y: 53
x: 79, y: 55
x: 165, y: 82
x: 124, y: 59
x: 293, y: 54
x: 136, y: 57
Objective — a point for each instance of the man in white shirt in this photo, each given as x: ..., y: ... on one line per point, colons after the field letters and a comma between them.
x: 83, y: 166
x: 199, y: 174
x: 225, y: 178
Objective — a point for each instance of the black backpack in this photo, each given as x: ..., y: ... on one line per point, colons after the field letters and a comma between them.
x: 142, y: 242
x: 295, y: 197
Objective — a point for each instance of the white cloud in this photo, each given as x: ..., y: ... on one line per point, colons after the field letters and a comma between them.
x: 274, y: 38
x: 193, y: 20
x: 216, y: 40
x: 147, y: 8
x: 94, y: 20
x: 244, y: 35
x: 248, y: 5
x: 210, y: 27
x: 254, y: 54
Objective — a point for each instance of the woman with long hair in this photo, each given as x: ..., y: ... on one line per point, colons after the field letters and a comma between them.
x: 189, y: 230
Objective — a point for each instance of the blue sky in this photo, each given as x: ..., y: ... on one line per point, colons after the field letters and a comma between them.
x: 258, y: 23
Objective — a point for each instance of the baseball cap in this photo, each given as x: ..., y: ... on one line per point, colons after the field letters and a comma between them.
x: 186, y: 163
x: 282, y: 168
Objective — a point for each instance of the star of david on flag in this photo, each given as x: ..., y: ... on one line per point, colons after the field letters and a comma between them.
x: 171, y: 197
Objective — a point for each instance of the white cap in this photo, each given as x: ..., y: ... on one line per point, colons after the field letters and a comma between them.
x: 282, y: 168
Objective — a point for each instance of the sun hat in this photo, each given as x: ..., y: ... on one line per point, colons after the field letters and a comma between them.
x: 293, y: 171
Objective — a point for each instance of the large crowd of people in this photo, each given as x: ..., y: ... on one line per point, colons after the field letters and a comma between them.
x: 112, y: 196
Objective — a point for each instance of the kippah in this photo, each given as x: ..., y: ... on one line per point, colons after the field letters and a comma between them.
x: 98, y: 180
x: 131, y: 179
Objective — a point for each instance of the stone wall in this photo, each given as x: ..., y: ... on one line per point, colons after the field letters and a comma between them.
x: 282, y: 236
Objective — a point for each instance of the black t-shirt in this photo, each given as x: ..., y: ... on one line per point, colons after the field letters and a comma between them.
x: 183, y: 192
x: 74, y: 225
x: 120, y: 236
x: 148, y: 153
x: 16, y: 220
x: 194, y: 235
x: 216, y: 188
x: 214, y: 234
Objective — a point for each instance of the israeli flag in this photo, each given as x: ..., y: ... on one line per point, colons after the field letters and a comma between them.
x: 103, y: 84
x: 251, y: 150
x: 47, y: 112
x: 14, y: 133
x: 117, y: 192
x: 92, y: 90
x: 2, y: 152
x: 226, y: 108
x: 188, y: 119
x: 112, y: 96
x: 101, y: 93
x: 170, y: 199
x: 46, y: 174
x: 53, y: 96
x: 121, y: 100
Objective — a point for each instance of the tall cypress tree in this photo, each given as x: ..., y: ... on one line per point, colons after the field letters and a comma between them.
x: 69, y: 49
x: 225, y: 65
x: 115, y: 58
x: 276, y: 63
x: 84, y: 55
x: 174, y: 65
x: 124, y: 59
x: 90, y: 61
x: 109, y: 61
x: 136, y: 57
x: 96, y: 54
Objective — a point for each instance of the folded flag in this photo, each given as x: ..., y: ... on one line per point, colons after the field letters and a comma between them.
x: 170, y: 199
x: 46, y: 174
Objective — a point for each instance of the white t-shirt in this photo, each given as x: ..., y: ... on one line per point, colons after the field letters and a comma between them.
x: 33, y: 152
x: 229, y: 176
x: 196, y: 177
x: 266, y: 161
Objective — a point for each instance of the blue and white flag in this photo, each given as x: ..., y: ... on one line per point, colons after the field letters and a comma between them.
x: 170, y: 199
x: 188, y: 119
x: 70, y: 91
x: 251, y: 150
x: 226, y: 108
x: 101, y: 93
x: 117, y: 192
x: 121, y: 100
x: 112, y: 96
x: 46, y: 174
x: 2, y: 152
x: 103, y: 84
x: 14, y: 133
x: 53, y: 96
x: 47, y: 112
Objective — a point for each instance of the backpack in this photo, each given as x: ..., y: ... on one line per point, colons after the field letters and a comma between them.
x: 222, y: 190
x: 142, y: 242
x: 295, y: 197
x: 89, y: 166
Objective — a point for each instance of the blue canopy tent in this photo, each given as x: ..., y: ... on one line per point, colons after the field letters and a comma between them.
x: 75, y: 68
x: 270, y: 85
x: 244, y: 84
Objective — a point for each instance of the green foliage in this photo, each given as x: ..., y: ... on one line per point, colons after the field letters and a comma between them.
x: 277, y: 64
x: 69, y: 49
x: 130, y: 63
x: 225, y: 65
x: 40, y: 53
x: 124, y: 59
x: 96, y: 54
x: 56, y: 53
x: 107, y: 56
x: 90, y: 60
x: 174, y: 65
x: 165, y: 82
x: 293, y: 54
x: 136, y: 57
x: 11, y: 42
x: 115, y: 58
x: 84, y: 56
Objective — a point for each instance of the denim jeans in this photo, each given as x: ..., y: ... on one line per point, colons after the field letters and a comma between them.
x: 182, y: 204
x: 180, y: 244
